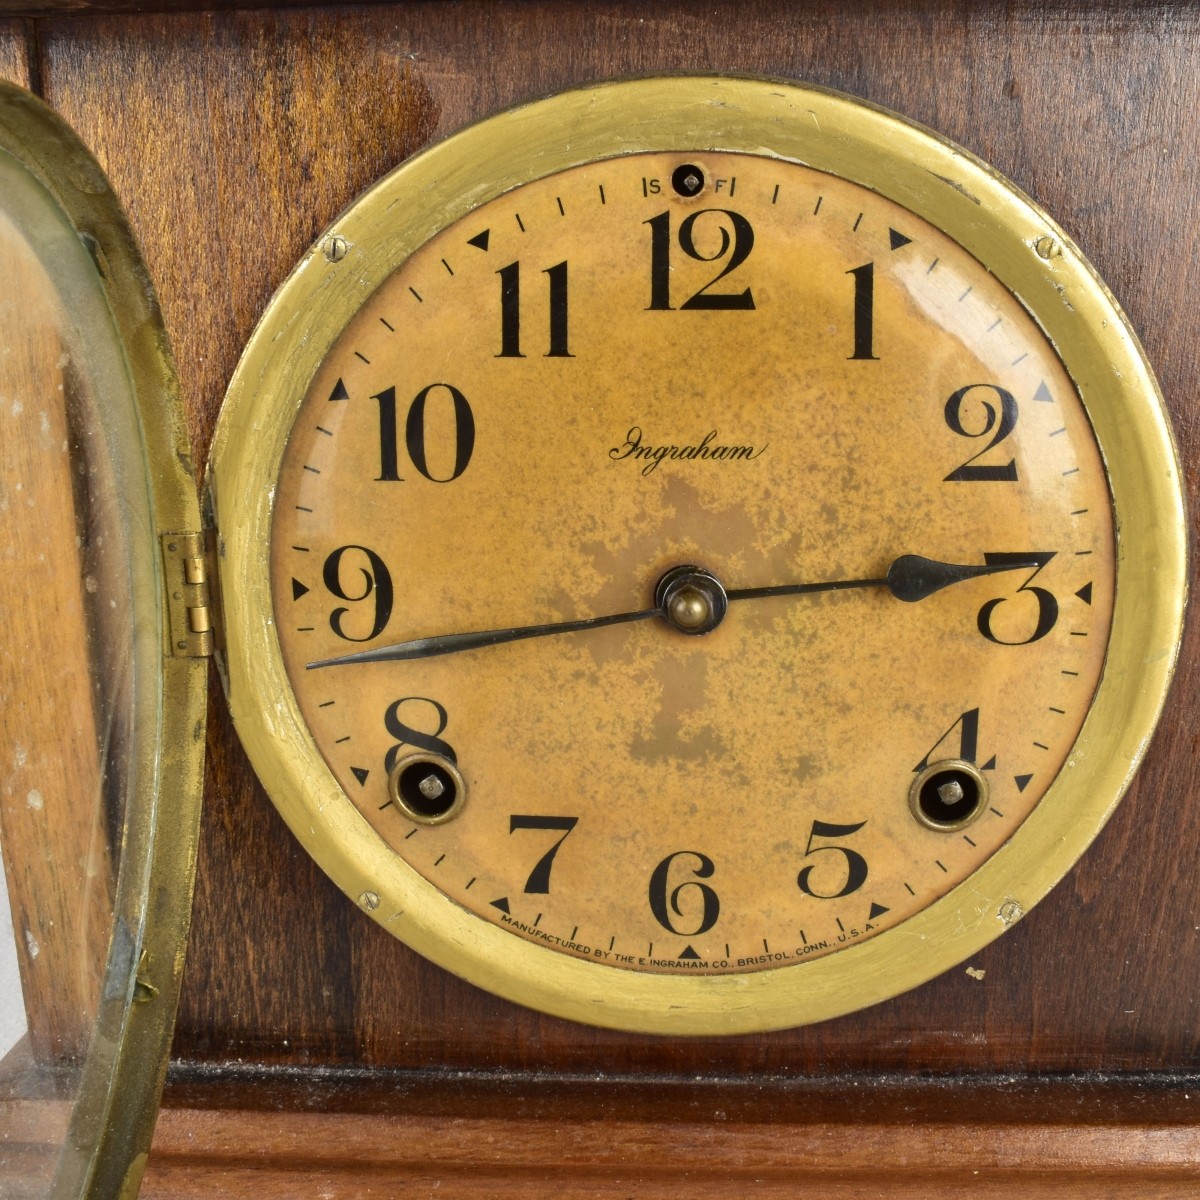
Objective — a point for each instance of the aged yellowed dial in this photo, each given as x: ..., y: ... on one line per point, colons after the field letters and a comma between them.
x: 680, y: 568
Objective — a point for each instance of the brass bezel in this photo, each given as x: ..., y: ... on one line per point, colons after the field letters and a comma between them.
x: 946, y: 186
x: 112, y: 1121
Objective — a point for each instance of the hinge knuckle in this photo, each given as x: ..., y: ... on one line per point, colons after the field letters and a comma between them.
x: 188, y: 595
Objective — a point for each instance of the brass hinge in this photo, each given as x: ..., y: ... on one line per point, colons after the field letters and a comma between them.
x: 190, y: 609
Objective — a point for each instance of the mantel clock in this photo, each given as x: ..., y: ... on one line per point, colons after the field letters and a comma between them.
x: 695, y: 555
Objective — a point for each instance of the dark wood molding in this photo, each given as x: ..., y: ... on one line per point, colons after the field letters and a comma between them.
x: 851, y: 1137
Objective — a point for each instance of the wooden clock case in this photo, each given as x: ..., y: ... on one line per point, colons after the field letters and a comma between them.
x: 315, y: 1055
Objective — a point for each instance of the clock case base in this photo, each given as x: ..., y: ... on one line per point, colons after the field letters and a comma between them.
x: 849, y: 1136
x: 241, y: 1133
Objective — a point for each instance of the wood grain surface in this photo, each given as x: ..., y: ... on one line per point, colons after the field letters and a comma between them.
x: 14, y: 51
x: 532, y: 1153
x: 233, y: 138
x: 900, y: 1137
x: 57, y: 715
x: 658, y: 1138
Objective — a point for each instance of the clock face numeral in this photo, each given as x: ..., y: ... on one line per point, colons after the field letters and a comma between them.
x: 510, y: 311
x: 967, y: 724
x: 372, y: 581
x: 538, y: 882
x: 1047, y: 605
x: 864, y: 311
x: 690, y: 903
x: 1003, y: 425
x: 821, y: 876
x: 410, y: 735
x: 389, y: 469
x: 734, y: 237
x: 414, y: 433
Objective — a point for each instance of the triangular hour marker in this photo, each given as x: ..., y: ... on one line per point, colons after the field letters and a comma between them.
x: 990, y: 765
x: 897, y: 239
x: 360, y: 773
x: 1043, y: 394
x: 339, y: 392
x: 877, y: 910
x: 298, y: 589
x: 688, y: 952
x: 1022, y: 781
x: 502, y: 905
x: 480, y: 239
x: 1085, y: 593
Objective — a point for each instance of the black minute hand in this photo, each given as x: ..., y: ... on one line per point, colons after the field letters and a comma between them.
x: 449, y: 643
x: 910, y: 578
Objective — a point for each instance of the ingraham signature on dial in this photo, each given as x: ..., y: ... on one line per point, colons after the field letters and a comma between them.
x: 707, y: 447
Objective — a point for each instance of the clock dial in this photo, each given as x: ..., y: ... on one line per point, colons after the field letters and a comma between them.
x: 718, y: 361
x: 669, y: 560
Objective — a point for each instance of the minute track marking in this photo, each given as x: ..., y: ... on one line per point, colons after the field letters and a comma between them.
x: 910, y: 578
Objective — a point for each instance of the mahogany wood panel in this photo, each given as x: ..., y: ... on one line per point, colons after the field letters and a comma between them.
x: 14, y: 51
x: 234, y: 138
x: 53, y: 821
x: 509, y: 1155
x: 667, y: 1140
x: 657, y: 1139
x: 44, y: 8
